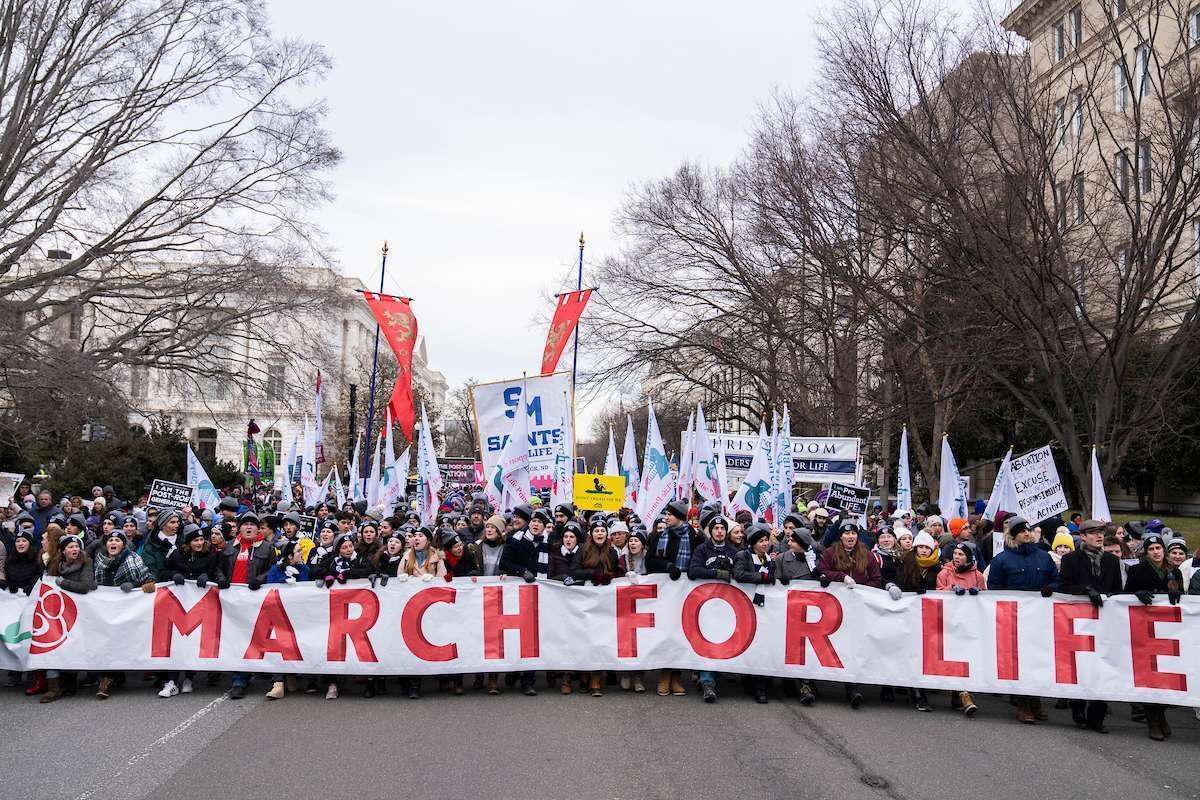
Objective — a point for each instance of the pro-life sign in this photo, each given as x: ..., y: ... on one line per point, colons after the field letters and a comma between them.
x: 816, y: 459
x: 547, y: 401
x: 852, y: 500
x: 1037, y: 486
x: 168, y: 495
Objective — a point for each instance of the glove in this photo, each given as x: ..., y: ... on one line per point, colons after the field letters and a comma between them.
x: 328, y: 582
x: 125, y: 587
x: 759, y: 599
x: 383, y: 579
x: 568, y: 580
x: 894, y: 591
x: 1047, y: 590
x: 341, y: 577
x: 402, y: 576
x: 674, y: 572
x: 374, y: 577
x: 223, y: 583
x: 606, y: 580
x: 783, y: 580
x: 59, y: 581
x: 4, y: 585
x: 147, y: 587
x: 177, y: 579
x: 1095, y: 598
x: 427, y: 577
x: 202, y: 582
x: 811, y: 558
x: 528, y: 576
x: 448, y: 577
x: 1145, y: 597
x: 921, y: 589
x: 254, y: 585
x: 632, y: 577
x: 960, y: 591
x: 723, y: 575
x: 28, y: 590
x: 849, y: 582
x: 974, y: 590
x: 825, y: 582
x: 1174, y: 597
x: 13, y: 588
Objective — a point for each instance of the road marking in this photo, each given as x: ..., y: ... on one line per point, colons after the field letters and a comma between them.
x: 160, y: 741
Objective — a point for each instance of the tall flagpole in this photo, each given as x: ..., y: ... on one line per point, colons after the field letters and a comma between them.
x: 374, y: 369
x: 578, y: 288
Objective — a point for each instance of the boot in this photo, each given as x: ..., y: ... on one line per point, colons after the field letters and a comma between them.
x: 664, y: 683
x: 493, y: 684
x: 277, y: 690
x: 564, y: 686
x: 638, y: 686
x: 597, y: 684
x: 677, y: 685
x: 887, y: 694
x: 105, y: 688
x: 920, y: 700
x: 625, y: 682
x: 1035, y: 708
x: 53, y: 690
x: 39, y: 684
x: 968, y: 705
x: 1024, y: 712
x: 1162, y: 721
x: 708, y: 692
x: 1154, y: 724
x: 368, y: 693
x: 456, y: 685
x: 807, y: 696
x: 70, y: 683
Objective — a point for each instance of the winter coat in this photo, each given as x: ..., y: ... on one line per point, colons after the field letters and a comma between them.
x: 746, y: 571
x: 155, y: 553
x: 871, y: 577
x: 23, y: 570
x: 662, y: 562
x: 477, y: 551
x: 598, y: 573
x: 889, y: 565
x: 1075, y: 574
x: 709, y: 557
x: 434, y: 565
x: 1142, y: 577
x: 911, y: 577
x: 349, y: 568
x: 277, y: 573
x: 520, y: 555
x: 796, y: 567
x: 460, y: 568
x: 262, y: 558
x: 79, y: 577
x: 127, y: 567
x: 1024, y: 568
x: 949, y: 577
x: 192, y: 565
x: 560, y: 563
x: 316, y: 558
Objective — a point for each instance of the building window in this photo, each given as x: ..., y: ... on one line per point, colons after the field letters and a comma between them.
x: 1118, y: 7
x: 1123, y: 262
x: 139, y: 380
x: 75, y: 325
x: 1120, y: 87
x: 1077, y: 115
x: 1144, y: 165
x: 273, y: 442
x: 275, y: 386
x: 1077, y: 196
x: 1141, y: 78
x: 1060, y: 41
x: 1121, y: 169
x: 1076, y: 18
x: 1196, y: 248
x: 1060, y: 205
x: 206, y: 444
x: 1060, y: 120
x: 1194, y: 26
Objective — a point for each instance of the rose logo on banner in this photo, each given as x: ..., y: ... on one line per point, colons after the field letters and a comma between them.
x: 53, y: 618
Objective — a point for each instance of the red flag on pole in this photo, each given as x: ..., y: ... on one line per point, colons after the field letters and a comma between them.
x: 566, y: 317
x: 399, y: 327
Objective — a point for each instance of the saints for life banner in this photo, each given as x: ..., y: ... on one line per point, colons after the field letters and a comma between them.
x: 816, y: 459
x: 1002, y: 642
x: 547, y: 401
x: 1036, y: 485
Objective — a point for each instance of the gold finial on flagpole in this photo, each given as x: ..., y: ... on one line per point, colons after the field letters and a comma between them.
x: 385, y: 247
x: 581, y: 239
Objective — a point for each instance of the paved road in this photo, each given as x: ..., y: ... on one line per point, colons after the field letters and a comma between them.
x: 205, y: 746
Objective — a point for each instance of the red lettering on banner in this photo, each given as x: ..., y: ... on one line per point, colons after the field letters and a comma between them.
x: 273, y: 632
x: 933, y: 644
x: 1067, y: 642
x: 1146, y: 648
x: 341, y: 626
x: 496, y: 622
x: 169, y: 615
x: 629, y: 619
x: 414, y: 634
x: 798, y: 630
x: 1008, y: 666
x: 744, y: 622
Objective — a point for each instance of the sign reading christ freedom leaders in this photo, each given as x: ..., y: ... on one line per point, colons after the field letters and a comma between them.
x: 816, y: 459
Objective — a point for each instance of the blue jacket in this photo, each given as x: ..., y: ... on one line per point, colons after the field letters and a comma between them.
x: 1025, y: 568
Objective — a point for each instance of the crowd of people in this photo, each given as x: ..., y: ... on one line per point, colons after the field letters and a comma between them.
x: 254, y: 538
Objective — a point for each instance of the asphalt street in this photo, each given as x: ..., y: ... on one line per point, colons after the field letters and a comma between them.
x: 622, y: 745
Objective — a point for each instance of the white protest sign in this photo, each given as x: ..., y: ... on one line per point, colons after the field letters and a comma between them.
x: 1036, y: 485
x: 168, y: 495
x: 9, y: 481
x: 815, y: 459
x: 850, y: 499
x: 551, y: 413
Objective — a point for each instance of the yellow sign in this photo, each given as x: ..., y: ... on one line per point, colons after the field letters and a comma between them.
x: 599, y: 492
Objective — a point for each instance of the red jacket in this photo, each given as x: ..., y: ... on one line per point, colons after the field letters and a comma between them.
x: 950, y: 577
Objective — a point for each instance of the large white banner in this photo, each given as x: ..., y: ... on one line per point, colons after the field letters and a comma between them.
x: 815, y: 459
x: 1036, y: 485
x: 1003, y: 642
x: 551, y: 417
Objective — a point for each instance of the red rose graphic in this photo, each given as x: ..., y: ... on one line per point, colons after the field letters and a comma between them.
x: 53, y: 618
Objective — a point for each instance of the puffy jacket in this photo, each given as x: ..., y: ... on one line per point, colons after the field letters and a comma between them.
x: 950, y: 577
x: 709, y: 557
x: 870, y: 577
x: 746, y: 571
x: 1024, y: 568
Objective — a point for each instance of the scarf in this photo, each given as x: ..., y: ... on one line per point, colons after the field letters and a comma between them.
x: 568, y: 553
x: 1094, y: 555
x: 541, y: 544
x: 928, y: 561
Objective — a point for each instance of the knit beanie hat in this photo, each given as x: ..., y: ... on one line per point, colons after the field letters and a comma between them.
x: 1062, y: 537
x: 924, y: 538
x: 956, y: 526
x: 497, y: 522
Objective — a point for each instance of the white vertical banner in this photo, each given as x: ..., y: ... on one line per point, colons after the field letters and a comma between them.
x: 356, y: 489
x: 339, y: 491
x: 319, y: 425
x: 629, y: 465
x: 509, y: 477
x: 704, y: 461
x: 686, y: 465
x: 904, y: 476
x: 546, y: 401
x: 754, y: 493
x: 951, y: 497
x: 611, y: 465
x: 205, y: 494
x: 429, y: 477
x: 658, y: 479
x: 1099, y: 497
x: 563, y: 488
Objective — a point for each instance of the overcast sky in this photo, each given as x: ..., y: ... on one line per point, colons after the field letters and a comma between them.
x: 479, y: 139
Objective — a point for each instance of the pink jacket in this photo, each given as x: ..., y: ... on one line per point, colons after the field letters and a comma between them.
x: 950, y: 577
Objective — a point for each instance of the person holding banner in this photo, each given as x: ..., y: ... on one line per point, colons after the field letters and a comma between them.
x: 671, y: 553
x: 1151, y: 576
x: 849, y: 562
x: 117, y: 565
x: 73, y: 572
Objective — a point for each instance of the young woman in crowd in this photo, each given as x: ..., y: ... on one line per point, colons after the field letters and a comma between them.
x: 850, y: 563
x: 115, y: 564
x: 596, y: 563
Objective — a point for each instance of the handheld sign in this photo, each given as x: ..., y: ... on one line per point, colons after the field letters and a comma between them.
x: 308, y: 527
x: 168, y: 495
x: 851, y: 500
x: 1036, y: 485
x: 599, y: 492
